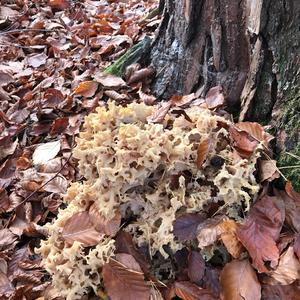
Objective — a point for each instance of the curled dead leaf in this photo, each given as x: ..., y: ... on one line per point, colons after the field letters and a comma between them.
x: 159, y: 115
x: 147, y: 99
x: 140, y: 75
x: 268, y: 170
x: 202, y: 152
x: 242, y: 142
x: 214, y: 97
x: 59, y: 4
x: 255, y: 130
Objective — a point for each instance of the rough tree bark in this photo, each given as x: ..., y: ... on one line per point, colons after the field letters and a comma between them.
x: 249, y: 47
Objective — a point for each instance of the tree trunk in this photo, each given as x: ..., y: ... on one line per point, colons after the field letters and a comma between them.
x: 249, y: 47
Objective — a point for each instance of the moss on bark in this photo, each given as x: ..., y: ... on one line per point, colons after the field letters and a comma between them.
x: 290, y: 123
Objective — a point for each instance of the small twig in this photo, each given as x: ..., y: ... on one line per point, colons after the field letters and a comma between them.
x: 25, y: 30
x: 20, y: 46
x: 290, y: 167
x: 56, y: 174
x: 293, y: 155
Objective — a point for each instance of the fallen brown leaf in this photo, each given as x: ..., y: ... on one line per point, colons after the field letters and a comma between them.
x: 196, y: 266
x: 229, y: 238
x: 128, y: 261
x: 261, y: 230
x: 243, y: 142
x: 281, y: 292
x: 185, y: 226
x: 159, y: 115
x: 268, y: 170
x: 86, y: 88
x: 239, y: 282
x: 288, y: 269
x: 124, y: 244
x: 109, y: 81
x: 79, y: 228
x: 202, y: 152
x: 214, y: 97
x: 103, y: 225
x: 140, y: 75
x: 189, y: 291
x: 45, y: 152
x: 122, y: 283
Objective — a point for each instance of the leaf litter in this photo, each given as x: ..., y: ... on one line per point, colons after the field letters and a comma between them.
x: 52, y: 76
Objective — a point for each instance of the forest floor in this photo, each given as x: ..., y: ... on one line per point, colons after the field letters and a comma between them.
x: 52, y: 61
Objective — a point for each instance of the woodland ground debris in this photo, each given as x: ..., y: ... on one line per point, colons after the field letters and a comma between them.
x: 173, y: 198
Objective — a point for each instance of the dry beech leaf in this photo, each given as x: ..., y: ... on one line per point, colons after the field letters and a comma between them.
x: 58, y: 184
x: 115, y: 95
x: 196, y: 266
x: 86, y: 88
x: 4, y: 201
x: 214, y: 97
x: 281, y: 292
x: 6, y: 237
x: 243, y: 142
x: 59, y: 4
x: 292, y: 193
x: 52, y: 98
x: 122, y: 283
x: 261, y: 230
x: 103, y: 225
x: 288, y: 269
x: 268, y: 170
x: 5, y: 284
x: 209, y: 232
x: 185, y: 227
x: 147, y: 99
x: 124, y: 244
x: 182, y: 101
x: 202, y: 152
x: 8, y: 149
x: 109, y: 81
x: 129, y: 70
x: 228, y: 236
x: 140, y: 75
x: 189, y: 291
x: 44, y: 152
x: 128, y: 261
x: 37, y: 60
x: 239, y: 282
x: 292, y: 210
x: 297, y: 246
x: 79, y: 228
x: 254, y: 129
x: 159, y: 115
